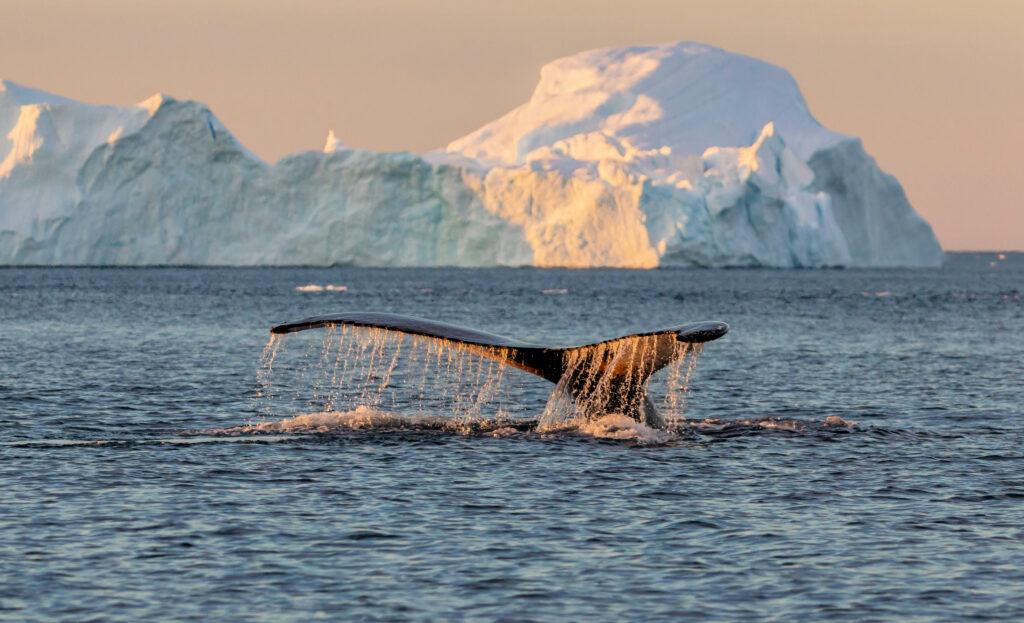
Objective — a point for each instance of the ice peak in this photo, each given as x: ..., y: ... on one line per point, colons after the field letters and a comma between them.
x: 685, y: 96
x: 767, y: 131
x: 14, y: 94
x: 333, y: 144
x: 611, y: 70
x: 768, y: 163
x: 154, y: 102
x: 766, y: 142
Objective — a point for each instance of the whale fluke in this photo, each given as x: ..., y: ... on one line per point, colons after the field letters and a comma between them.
x: 603, y: 377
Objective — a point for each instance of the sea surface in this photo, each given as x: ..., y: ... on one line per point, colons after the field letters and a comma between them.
x: 852, y: 450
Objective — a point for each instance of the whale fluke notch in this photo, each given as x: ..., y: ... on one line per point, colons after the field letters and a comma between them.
x: 604, y: 377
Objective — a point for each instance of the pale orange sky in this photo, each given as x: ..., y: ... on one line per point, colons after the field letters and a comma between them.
x: 934, y: 88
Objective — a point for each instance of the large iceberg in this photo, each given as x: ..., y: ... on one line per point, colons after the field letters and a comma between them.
x: 676, y: 154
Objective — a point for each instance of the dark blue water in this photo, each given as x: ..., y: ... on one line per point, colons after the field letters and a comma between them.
x: 118, y: 504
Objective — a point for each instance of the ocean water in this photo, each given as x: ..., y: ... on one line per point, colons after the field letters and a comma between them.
x: 853, y: 449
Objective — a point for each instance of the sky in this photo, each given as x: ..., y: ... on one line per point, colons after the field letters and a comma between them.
x: 934, y: 88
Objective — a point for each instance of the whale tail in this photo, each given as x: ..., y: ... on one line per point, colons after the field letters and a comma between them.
x: 601, y: 378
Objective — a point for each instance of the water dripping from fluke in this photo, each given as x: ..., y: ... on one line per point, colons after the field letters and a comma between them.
x: 388, y: 370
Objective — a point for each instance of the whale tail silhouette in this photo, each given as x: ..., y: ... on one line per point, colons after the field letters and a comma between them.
x: 601, y: 378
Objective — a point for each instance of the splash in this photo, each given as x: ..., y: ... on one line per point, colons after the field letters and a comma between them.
x: 361, y: 418
x: 614, y: 427
x: 618, y: 427
x: 613, y: 377
x: 352, y: 367
x: 349, y: 368
x: 264, y: 386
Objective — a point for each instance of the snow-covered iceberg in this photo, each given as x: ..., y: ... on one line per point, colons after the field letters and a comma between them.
x: 677, y: 154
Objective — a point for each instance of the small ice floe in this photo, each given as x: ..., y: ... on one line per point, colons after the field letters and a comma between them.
x: 555, y: 291
x: 316, y: 288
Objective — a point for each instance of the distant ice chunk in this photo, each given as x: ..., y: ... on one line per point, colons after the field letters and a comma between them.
x: 333, y: 144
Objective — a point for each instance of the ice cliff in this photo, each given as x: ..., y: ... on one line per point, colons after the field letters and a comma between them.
x: 677, y: 154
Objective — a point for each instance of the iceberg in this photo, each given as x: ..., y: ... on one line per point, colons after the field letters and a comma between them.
x: 680, y: 154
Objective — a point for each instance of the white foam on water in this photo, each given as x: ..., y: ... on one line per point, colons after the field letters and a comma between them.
x: 835, y: 420
x: 618, y: 426
x: 774, y: 423
x: 188, y: 440
x: 615, y: 426
x: 360, y: 418
x: 504, y: 431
